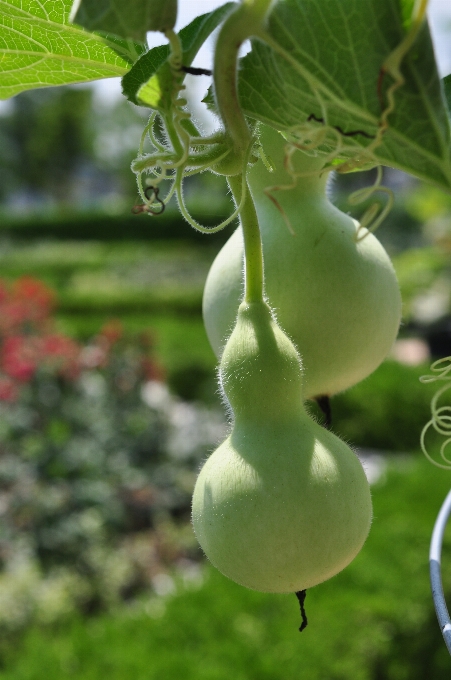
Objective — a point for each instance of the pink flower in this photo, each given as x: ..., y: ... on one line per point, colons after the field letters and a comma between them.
x: 93, y: 356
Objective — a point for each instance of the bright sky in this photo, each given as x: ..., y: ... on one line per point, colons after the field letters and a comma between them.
x: 440, y: 22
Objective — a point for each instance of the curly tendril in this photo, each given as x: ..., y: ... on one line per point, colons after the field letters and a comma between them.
x: 441, y: 415
x: 316, y: 142
x: 341, y: 148
x: 373, y: 215
x: 184, y: 154
x: 236, y: 212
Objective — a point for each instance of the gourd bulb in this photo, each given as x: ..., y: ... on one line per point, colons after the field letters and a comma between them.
x: 282, y: 504
x: 337, y: 298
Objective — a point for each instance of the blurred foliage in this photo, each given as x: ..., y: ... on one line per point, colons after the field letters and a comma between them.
x: 374, y: 621
x: 158, y: 284
x: 91, y: 226
x: 427, y: 203
x: 386, y: 411
x: 97, y: 463
x: 180, y: 341
x: 63, y: 147
x: 45, y: 139
x: 68, y: 150
x: 418, y: 270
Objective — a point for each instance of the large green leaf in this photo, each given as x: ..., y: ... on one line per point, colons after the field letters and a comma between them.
x: 131, y: 19
x: 326, y: 65
x: 447, y: 89
x: 38, y: 48
x: 151, y: 76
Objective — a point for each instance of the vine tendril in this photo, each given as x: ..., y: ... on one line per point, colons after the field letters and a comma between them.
x: 373, y: 216
x: 183, y: 155
x: 236, y: 212
x: 440, y: 415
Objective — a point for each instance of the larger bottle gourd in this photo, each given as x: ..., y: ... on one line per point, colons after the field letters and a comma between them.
x: 335, y: 296
x: 282, y: 504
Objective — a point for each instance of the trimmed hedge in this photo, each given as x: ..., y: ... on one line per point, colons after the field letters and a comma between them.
x: 89, y: 227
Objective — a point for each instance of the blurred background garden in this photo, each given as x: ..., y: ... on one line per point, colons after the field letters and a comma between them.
x: 109, y: 405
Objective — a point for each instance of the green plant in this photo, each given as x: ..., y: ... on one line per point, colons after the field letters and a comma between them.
x: 352, y: 104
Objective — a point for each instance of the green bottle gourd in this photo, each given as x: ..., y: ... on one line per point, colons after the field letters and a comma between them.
x: 336, y: 297
x: 282, y: 504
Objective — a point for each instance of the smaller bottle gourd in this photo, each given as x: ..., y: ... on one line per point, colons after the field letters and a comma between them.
x: 282, y: 504
x: 336, y: 297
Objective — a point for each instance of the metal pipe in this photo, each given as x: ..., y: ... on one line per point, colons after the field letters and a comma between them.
x: 435, y: 571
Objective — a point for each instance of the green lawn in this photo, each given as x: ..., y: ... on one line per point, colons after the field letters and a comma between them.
x: 374, y: 621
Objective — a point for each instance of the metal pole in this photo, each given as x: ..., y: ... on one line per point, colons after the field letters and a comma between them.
x: 435, y: 571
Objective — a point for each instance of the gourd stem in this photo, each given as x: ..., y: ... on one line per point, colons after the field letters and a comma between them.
x: 253, y: 255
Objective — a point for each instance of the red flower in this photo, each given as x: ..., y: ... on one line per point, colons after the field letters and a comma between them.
x: 8, y: 389
x: 112, y: 331
x: 3, y: 291
x: 26, y: 304
x: 28, y: 288
x: 152, y: 370
x: 20, y: 356
x: 61, y: 354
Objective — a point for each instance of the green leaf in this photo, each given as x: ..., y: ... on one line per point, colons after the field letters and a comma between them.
x: 151, y: 76
x: 326, y: 65
x: 163, y: 14
x: 145, y: 70
x: 131, y: 19
x: 447, y: 90
x: 407, y: 8
x: 157, y: 91
x: 38, y: 48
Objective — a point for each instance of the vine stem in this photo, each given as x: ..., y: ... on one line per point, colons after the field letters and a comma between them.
x: 253, y: 255
x: 244, y: 22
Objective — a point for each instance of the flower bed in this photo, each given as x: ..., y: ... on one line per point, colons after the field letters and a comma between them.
x: 97, y: 463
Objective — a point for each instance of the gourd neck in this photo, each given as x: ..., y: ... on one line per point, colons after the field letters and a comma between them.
x: 260, y: 370
x: 296, y: 169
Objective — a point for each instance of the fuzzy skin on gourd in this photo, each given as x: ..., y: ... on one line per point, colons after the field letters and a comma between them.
x: 282, y: 504
x: 337, y: 299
